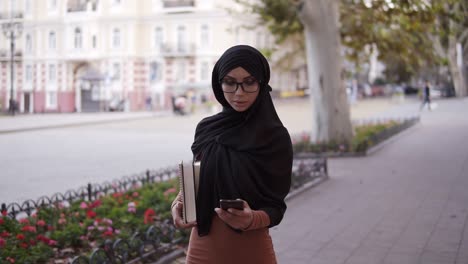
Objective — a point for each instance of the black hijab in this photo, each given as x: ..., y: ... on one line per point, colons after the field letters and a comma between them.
x: 246, y: 155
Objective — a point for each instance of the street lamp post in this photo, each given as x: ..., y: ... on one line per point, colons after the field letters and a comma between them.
x: 12, y: 30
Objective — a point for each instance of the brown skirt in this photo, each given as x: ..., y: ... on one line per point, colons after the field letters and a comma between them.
x: 225, y: 246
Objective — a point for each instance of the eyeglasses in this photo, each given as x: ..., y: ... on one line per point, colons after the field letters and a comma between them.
x: 230, y: 85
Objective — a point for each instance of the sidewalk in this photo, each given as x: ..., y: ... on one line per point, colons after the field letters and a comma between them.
x: 18, y: 123
x: 405, y: 204
x: 291, y: 112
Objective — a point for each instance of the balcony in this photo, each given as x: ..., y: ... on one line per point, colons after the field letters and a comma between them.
x: 8, y: 15
x: 81, y: 6
x: 5, y: 55
x: 178, y: 6
x: 173, y: 50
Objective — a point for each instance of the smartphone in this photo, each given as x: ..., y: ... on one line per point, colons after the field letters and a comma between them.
x: 226, y: 204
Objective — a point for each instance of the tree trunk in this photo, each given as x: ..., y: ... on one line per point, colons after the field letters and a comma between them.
x: 455, y: 69
x: 324, y: 65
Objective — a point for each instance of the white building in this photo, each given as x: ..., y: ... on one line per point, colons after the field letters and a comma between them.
x: 88, y: 55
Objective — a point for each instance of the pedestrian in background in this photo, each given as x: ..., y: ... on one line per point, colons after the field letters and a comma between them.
x: 245, y: 154
x: 426, y: 96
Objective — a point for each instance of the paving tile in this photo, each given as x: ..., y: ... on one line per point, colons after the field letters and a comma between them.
x: 401, y: 258
x: 430, y: 257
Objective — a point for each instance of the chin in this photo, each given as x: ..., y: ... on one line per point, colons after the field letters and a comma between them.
x: 239, y: 109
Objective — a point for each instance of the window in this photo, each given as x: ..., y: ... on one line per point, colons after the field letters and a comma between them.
x: 94, y: 42
x: 27, y: 6
x: 51, y: 99
x: 52, y: 5
x: 78, y: 38
x: 52, y: 73
x: 155, y: 72
x: 13, y: 6
x: 205, y: 36
x: 52, y: 40
x: 259, y: 40
x: 180, y: 71
x: 28, y: 74
x: 116, y: 38
x: 158, y: 38
x: 204, y: 71
x: 116, y: 71
x: 181, y: 45
x: 28, y: 43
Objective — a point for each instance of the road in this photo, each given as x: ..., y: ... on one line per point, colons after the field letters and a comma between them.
x: 43, y: 162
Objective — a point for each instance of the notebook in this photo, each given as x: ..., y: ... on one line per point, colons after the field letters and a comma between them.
x: 189, y: 174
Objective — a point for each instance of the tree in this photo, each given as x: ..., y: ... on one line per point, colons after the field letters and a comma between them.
x: 451, y: 30
x: 318, y: 24
x: 412, y: 33
x: 320, y: 19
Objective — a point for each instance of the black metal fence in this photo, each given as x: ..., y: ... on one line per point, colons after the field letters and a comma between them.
x: 89, y: 192
x: 160, y: 238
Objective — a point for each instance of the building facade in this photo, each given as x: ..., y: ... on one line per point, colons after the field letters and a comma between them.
x: 100, y: 55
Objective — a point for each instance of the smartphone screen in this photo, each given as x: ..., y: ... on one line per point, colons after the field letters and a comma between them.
x: 226, y: 204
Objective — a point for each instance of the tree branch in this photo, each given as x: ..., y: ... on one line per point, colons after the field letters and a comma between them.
x: 463, y: 35
x: 437, y: 45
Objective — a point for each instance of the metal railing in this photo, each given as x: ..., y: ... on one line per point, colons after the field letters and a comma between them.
x: 159, y: 239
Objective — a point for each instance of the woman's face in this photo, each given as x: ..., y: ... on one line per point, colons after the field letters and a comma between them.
x: 240, y: 100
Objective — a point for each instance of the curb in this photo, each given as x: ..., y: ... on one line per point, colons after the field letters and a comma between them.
x: 77, y: 124
x: 391, y: 139
x: 306, y: 187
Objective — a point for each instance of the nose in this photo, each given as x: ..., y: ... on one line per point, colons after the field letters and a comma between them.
x: 239, y: 88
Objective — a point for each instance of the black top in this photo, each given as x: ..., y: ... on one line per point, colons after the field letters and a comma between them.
x: 245, y: 155
x: 427, y: 92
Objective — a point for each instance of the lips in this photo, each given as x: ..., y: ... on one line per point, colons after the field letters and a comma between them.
x: 240, y: 103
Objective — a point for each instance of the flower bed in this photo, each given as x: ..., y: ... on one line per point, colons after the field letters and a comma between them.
x: 64, y: 230
x: 365, y: 137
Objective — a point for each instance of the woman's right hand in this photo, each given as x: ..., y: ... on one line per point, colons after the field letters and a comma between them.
x: 177, y: 217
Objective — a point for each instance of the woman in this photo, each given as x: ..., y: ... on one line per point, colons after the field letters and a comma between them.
x: 246, y: 154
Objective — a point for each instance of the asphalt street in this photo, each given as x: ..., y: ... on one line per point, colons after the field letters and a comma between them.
x: 102, y: 147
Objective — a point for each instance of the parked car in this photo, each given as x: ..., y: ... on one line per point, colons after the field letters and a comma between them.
x: 445, y: 90
x: 408, y: 89
x: 116, y: 105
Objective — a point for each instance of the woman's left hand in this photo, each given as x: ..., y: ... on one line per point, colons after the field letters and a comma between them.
x: 237, y: 219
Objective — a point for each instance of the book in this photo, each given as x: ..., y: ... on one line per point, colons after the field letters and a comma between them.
x: 189, y: 174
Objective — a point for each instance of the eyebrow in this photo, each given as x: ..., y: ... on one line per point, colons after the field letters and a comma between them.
x: 250, y: 76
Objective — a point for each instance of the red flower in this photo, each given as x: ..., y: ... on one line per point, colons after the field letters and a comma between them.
x: 95, y: 204
x: 52, y: 242
x: 4, y: 213
x: 4, y: 234
x: 2, y: 221
x: 24, y: 245
x: 20, y: 236
x: 28, y: 228
x: 148, y: 215
x: 90, y: 214
x: 2, y: 242
x: 41, y: 223
x: 117, y: 194
x: 43, y: 238
x: 11, y: 260
x: 108, y: 233
x: 24, y: 221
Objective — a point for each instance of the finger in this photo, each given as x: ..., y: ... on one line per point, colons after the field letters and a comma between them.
x: 223, y: 214
x: 236, y: 212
